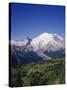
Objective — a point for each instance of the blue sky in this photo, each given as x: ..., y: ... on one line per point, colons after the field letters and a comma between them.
x: 32, y: 20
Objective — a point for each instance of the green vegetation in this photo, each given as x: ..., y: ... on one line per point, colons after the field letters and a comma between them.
x: 42, y: 73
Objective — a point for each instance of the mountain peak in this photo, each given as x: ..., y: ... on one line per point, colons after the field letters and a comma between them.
x: 50, y: 35
x: 47, y: 41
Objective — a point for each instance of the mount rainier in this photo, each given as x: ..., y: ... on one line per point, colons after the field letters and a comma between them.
x: 43, y: 47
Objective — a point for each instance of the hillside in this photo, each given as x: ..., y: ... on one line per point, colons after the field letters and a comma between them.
x: 43, y: 73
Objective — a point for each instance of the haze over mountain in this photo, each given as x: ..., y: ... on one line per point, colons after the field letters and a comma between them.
x: 43, y: 47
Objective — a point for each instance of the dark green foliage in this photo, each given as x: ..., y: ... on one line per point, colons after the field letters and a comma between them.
x: 17, y: 78
x: 19, y: 81
x: 42, y: 73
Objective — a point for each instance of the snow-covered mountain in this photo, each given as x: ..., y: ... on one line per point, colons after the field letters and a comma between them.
x: 42, y: 47
x: 23, y: 42
x: 46, y: 41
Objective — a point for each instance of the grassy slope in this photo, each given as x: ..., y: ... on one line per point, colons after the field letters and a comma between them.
x: 44, y: 73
